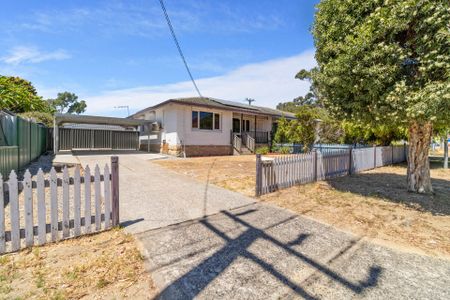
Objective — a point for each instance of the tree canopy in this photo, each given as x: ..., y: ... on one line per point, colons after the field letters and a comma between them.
x: 384, y: 61
x: 19, y: 95
x: 68, y: 103
x: 311, y: 98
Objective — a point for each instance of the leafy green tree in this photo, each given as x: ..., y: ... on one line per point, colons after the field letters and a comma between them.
x: 282, y: 131
x: 387, y: 62
x: 355, y: 133
x: 311, y: 98
x: 19, y: 95
x: 40, y: 117
x: 311, y: 123
x: 68, y: 103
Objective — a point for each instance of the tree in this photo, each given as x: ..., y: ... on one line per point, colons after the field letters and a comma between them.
x: 311, y: 98
x: 387, y: 62
x: 68, y: 103
x: 19, y: 95
x: 40, y: 117
x: 310, y: 121
x: 355, y: 133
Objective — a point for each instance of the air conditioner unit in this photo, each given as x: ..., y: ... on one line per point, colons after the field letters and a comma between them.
x: 156, y: 126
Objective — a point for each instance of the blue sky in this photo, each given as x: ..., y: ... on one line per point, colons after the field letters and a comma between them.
x: 121, y: 52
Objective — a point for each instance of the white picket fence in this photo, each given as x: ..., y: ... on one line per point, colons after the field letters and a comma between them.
x: 60, y: 211
x: 288, y: 170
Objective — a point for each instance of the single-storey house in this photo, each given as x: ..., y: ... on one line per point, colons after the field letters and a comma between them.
x: 201, y: 126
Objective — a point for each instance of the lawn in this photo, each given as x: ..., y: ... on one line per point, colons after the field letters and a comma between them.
x: 373, y: 204
x: 105, y: 265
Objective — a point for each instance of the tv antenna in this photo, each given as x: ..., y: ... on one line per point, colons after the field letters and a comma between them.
x: 123, y: 106
x: 249, y: 100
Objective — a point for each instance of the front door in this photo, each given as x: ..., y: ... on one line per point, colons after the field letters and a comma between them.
x: 236, y: 125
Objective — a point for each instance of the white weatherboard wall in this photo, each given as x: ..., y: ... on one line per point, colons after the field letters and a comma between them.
x: 192, y: 136
x: 169, y: 123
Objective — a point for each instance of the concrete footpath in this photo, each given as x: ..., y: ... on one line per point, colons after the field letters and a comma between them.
x: 264, y: 252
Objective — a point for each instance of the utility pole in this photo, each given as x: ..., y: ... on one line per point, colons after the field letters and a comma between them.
x: 249, y: 100
x: 124, y: 106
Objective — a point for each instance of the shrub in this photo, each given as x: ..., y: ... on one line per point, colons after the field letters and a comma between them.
x: 262, y: 150
x: 284, y: 150
x: 40, y: 117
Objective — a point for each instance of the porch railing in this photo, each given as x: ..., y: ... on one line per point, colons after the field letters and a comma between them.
x: 261, y: 137
x: 249, y: 141
x: 236, y: 141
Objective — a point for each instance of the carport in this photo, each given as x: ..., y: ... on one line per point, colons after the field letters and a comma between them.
x: 83, y: 132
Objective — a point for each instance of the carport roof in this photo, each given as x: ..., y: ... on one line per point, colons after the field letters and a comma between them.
x: 85, y: 119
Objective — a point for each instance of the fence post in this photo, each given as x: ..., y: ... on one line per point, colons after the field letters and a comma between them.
x: 392, y: 156
x: 374, y: 156
x: 314, y: 164
x: 258, y: 175
x: 350, y: 160
x: 115, y: 190
x: 404, y: 151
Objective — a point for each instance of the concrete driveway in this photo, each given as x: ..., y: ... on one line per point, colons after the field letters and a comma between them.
x: 248, y: 250
x: 153, y: 197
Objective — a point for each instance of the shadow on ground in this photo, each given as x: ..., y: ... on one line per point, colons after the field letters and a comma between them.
x: 392, y: 187
x: 234, y: 247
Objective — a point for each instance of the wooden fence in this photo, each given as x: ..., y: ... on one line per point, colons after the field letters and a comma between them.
x: 63, y: 211
x: 285, y: 171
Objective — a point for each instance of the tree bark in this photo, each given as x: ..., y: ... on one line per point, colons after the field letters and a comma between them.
x: 418, y: 174
x: 445, y: 143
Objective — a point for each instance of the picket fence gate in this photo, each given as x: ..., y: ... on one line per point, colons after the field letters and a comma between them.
x: 23, y: 232
x: 288, y: 170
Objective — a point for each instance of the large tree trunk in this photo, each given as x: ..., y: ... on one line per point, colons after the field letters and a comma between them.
x: 445, y: 143
x: 419, y: 180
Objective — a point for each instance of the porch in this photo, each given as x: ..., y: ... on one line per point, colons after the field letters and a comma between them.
x: 248, y: 131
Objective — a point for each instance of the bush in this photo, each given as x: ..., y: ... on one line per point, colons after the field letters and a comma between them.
x: 262, y: 150
x: 40, y: 117
x: 285, y: 150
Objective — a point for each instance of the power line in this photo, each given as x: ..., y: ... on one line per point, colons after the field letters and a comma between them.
x: 178, y: 47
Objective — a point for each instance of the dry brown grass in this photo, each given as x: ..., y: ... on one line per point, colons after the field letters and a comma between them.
x: 373, y: 204
x: 236, y: 173
x: 105, y: 265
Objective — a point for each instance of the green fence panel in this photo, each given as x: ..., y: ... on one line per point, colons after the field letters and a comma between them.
x: 21, y: 142
x: 9, y: 160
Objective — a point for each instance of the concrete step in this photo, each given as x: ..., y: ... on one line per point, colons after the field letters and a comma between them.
x: 245, y: 151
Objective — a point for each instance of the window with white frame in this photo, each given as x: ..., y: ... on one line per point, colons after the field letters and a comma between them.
x: 205, y: 120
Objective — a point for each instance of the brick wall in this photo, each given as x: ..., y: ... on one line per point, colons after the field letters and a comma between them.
x: 155, y: 148
x: 210, y: 150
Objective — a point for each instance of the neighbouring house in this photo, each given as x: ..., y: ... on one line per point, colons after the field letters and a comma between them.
x: 206, y: 126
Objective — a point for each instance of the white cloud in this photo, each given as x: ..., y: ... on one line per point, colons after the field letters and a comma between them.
x: 268, y: 82
x: 22, y: 55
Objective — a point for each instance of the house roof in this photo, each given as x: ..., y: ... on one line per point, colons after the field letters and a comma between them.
x: 221, y: 104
